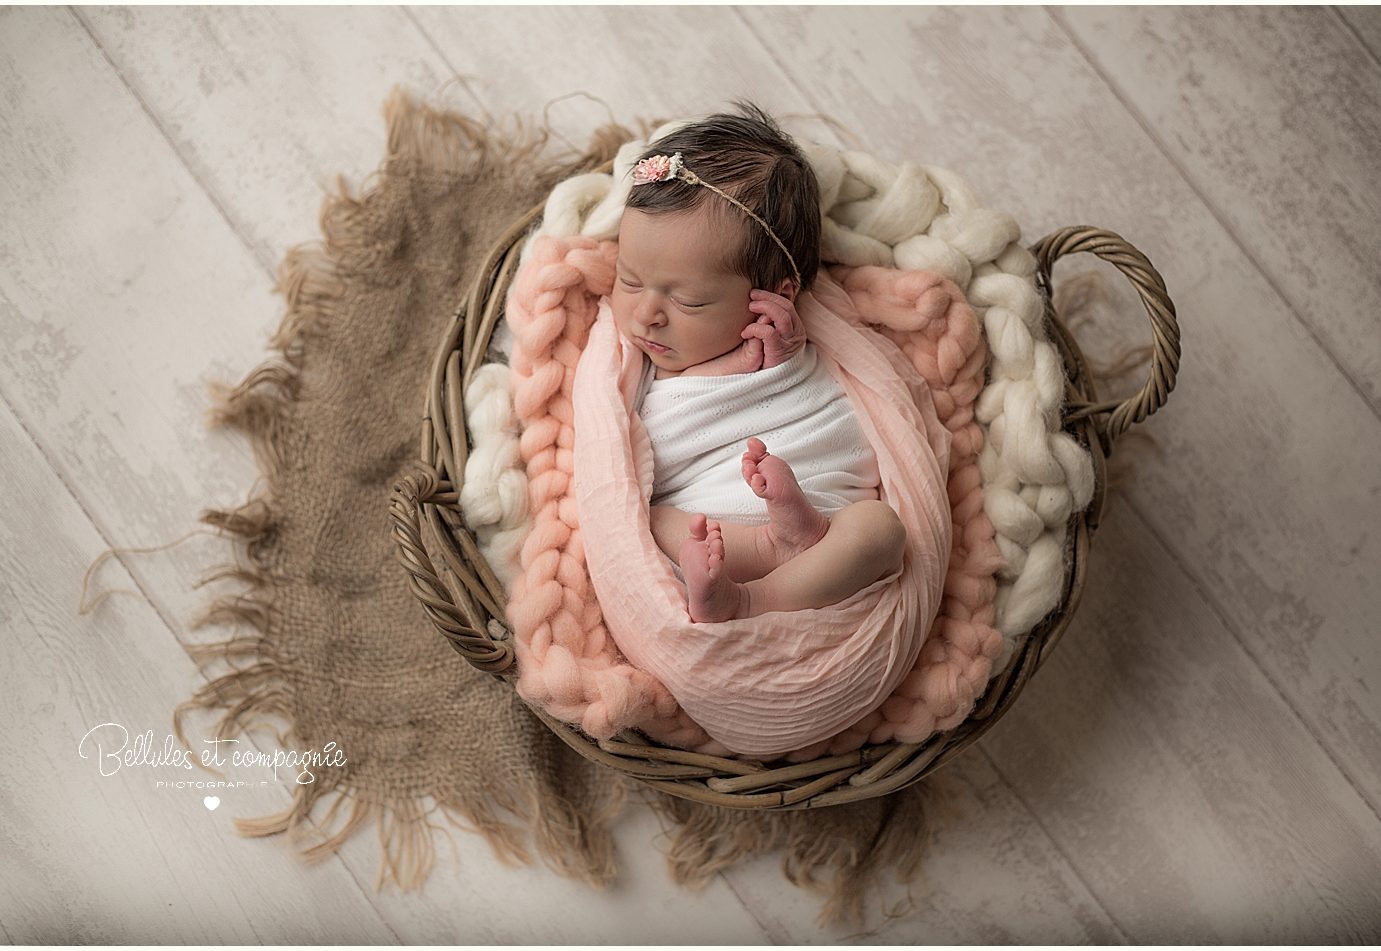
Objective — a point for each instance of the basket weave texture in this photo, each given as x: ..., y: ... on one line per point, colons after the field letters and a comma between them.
x: 462, y: 593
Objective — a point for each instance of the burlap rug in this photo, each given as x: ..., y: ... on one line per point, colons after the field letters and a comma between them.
x: 335, y: 647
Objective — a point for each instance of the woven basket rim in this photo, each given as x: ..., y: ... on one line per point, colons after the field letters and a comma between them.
x: 465, y: 599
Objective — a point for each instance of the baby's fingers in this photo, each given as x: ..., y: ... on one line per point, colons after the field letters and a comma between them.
x: 783, y: 318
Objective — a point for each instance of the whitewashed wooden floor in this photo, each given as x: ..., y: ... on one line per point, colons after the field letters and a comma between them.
x: 1199, y: 762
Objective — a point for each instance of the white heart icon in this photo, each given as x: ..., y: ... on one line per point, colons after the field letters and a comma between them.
x: 211, y: 802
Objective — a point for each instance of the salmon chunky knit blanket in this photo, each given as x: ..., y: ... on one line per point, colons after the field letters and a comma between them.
x: 794, y: 684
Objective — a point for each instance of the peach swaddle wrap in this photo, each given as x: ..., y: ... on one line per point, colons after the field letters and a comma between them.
x: 896, y: 661
x: 779, y: 681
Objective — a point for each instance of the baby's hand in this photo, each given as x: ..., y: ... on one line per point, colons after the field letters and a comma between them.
x: 745, y: 358
x: 778, y: 326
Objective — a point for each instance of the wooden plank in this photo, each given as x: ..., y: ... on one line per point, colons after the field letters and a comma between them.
x: 991, y: 875
x: 108, y: 368
x: 125, y: 293
x: 1194, y: 801
x: 1365, y: 23
x: 644, y: 62
x: 265, y: 106
x: 1273, y: 116
x: 113, y: 858
x: 1265, y: 507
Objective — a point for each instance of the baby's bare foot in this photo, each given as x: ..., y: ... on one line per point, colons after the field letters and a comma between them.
x: 710, y: 595
x: 793, y: 523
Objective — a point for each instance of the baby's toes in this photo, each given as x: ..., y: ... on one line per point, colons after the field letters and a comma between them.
x: 754, y: 478
x: 698, y: 526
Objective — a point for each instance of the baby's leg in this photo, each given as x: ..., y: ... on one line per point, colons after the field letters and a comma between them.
x: 865, y: 542
x: 745, y: 557
x: 752, y: 551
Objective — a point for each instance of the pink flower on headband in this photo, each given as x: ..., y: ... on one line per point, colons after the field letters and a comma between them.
x: 657, y: 168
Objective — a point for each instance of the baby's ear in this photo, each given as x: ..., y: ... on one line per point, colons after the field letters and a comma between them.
x: 787, y: 288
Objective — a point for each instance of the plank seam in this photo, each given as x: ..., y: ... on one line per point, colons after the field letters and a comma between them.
x: 62, y: 478
x: 1261, y: 269
x: 1235, y: 632
x: 457, y: 76
x: 773, y: 935
x: 150, y: 601
x: 981, y: 747
x: 1361, y: 41
x: 258, y: 253
x: 785, y: 72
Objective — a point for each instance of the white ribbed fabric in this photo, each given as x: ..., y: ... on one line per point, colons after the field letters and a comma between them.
x: 699, y: 428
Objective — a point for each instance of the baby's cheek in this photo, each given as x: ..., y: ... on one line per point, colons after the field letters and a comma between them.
x: 620, y: 315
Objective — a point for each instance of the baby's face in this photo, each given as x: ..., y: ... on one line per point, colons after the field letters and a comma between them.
x: 673, y: 288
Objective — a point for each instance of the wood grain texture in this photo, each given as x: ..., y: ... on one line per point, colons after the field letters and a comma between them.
x: 92, y: 858
x: 1195, y: 802
x: 653, y: 64
x: 266, y: 106
x: 1365, y: 24
x: 1215, y: 87
x: 1201, y: 758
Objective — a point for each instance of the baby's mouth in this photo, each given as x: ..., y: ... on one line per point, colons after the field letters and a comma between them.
x: 653, y: 347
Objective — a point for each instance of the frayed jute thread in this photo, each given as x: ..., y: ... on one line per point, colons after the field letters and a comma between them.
x: 572, y: 837
x: 840, y: 853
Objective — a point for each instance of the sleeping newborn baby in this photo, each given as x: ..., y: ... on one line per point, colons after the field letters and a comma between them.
x: 719, y: 237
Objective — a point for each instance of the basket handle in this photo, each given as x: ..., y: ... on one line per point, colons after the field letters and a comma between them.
x: 1165, y: 328
x: 483, y: 653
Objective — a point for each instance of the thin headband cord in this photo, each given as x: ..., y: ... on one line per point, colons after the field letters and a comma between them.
x: 663, y: 168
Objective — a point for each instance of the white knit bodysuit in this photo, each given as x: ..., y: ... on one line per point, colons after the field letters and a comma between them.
x: 699, y: 429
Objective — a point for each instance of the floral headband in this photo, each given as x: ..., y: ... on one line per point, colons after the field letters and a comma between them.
x: 664, y: 168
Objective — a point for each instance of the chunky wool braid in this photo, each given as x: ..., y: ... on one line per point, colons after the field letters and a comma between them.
x: 570, y: 666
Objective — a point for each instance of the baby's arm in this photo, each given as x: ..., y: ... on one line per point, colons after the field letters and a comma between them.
x: 745, y: 358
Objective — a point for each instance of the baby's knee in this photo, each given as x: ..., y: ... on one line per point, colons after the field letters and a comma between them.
x: 878, y: 533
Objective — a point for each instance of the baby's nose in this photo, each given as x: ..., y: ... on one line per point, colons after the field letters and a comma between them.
x: 651, y: 313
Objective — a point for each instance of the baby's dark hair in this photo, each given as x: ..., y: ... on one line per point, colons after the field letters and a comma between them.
x: 752, y: 159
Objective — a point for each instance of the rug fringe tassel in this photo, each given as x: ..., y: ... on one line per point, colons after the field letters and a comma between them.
x: 709, y: 840
x: 572, y: 846
x: 421, y: 141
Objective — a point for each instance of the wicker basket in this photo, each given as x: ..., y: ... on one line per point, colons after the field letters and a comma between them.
x: 465, y: 599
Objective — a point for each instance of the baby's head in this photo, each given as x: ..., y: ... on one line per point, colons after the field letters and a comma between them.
x: 689, y: 255
x: 748, y: 157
